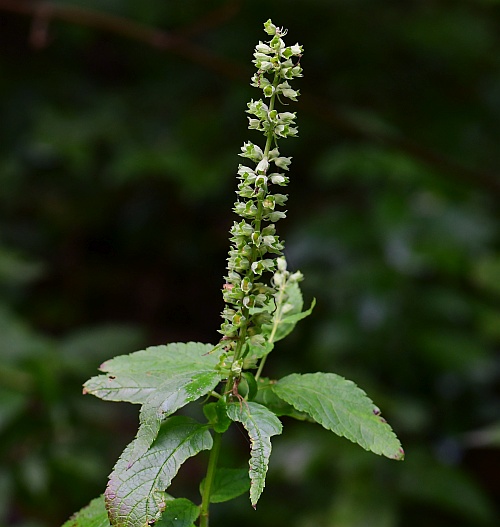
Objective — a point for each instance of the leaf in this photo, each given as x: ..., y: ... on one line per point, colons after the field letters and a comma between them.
x: 93, y: 515
x: 136, y: 495
x: 217, y: 416
x: 179, y: 512
x: 268, y: 398
x: 340, y: 406
x: 174, y: 394
x: 133, y: 377
x: 261, y: 424
x: 163, y: 379
x: 229, y: 483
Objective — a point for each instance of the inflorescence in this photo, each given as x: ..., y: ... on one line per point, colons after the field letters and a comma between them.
x: 255, y: 244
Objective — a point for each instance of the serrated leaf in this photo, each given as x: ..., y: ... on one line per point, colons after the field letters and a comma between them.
x: 267, y: 397
x: 179, y: 512
x: 169, y: 397
x: 340, y: 406
x: 93, y: 515
x: 229, y: 483
x: 162, y: 379
x: 136, y: 495
x: 132, y: 378
x: 261, y: 424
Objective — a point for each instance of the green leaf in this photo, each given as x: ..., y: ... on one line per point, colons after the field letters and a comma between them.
x: 268, y: 398
x: 217, y: 416
x: 261, y: 424
x: 163, y: 379
x: 174, y: 394
x: 229, y: 483
x: 136, y: 495
x: 340, y: 406
x: 93, y: 515
x: 179, y: 512
x: 133, y: 377
x: 248, y: 385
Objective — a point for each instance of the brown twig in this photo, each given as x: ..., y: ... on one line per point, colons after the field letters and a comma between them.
x: 178, y: 44
x: 157, y: 38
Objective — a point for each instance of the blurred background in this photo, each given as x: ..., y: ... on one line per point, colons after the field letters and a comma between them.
x: 120, y: 126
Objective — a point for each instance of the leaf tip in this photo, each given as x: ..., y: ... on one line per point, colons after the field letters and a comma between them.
x: 399, y: 455
x: 103, y: 366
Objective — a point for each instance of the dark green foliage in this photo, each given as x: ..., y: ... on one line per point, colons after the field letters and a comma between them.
x: 114, y: 192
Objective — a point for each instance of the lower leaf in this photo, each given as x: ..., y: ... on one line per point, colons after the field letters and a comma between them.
x: 229, y: 483
x: 135, y: 496
x: 93, y: 515
x: 179, y: 512
x: 261, y: 424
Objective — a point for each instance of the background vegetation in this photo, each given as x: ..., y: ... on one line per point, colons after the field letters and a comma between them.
x: 117, y: 170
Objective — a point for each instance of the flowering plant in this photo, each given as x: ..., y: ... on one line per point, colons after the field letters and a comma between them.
x: 263, y: 303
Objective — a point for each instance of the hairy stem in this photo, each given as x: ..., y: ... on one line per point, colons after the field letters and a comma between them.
x: 207, y: 489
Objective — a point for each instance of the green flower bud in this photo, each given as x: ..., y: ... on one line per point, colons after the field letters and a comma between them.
x: 256, y: 238
x: 251, y: 151
x: 261, y: 168
x: 263, y: 48
x: 283, y: 162
x: 278, y: 179
x: 254, y: 124
x: 237, y: 366
x: 269, y: 28
x: 241, y: 263
x: 268, y: 90
x: 246, y: 250
x: 275, y: 216
x: 260, y: 56
x: 296, y: 277
x: 246, y: 285
x: 261, y: 181
x: 269, y: 202
x: 277, y: 44
x: 249, y: 301
x: 258, y: 108
x: 287, y: 91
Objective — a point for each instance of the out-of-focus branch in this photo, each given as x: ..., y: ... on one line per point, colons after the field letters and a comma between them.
x: 443, y: 165
x: 212, y: 19
x: 157, y: 38
x: 177, y: 43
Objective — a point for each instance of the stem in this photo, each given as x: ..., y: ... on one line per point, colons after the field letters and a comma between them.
x: 207, y: 489
x: 277, y: 320
x: 270, y: 134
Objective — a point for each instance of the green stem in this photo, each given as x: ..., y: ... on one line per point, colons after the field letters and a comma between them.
x: 270, y: 134
x: 207, y: 489
x: 277, y: 320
